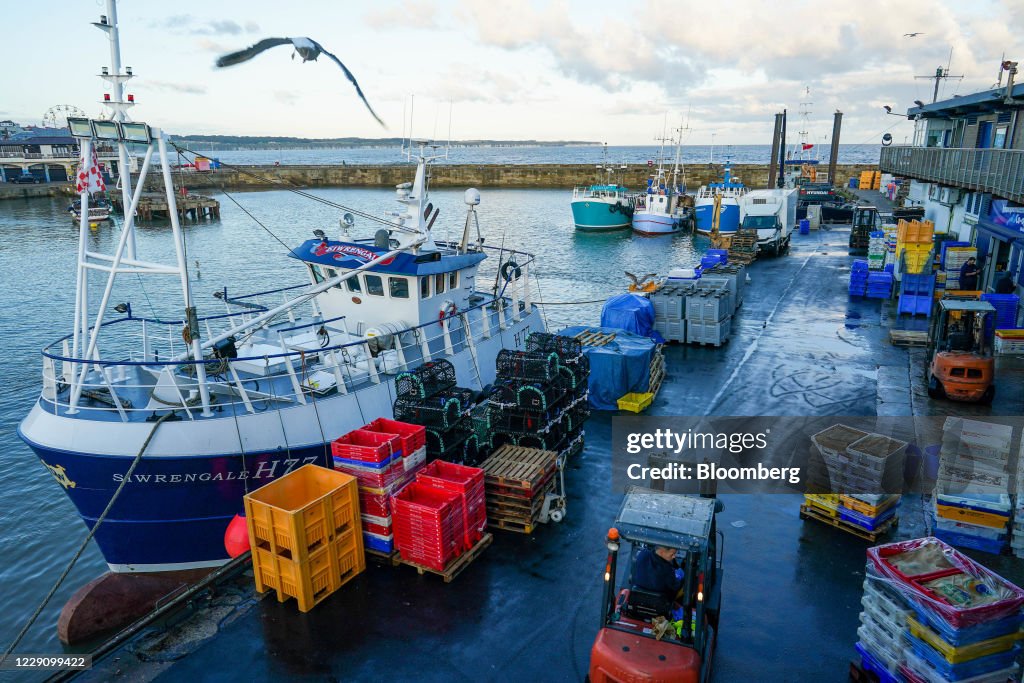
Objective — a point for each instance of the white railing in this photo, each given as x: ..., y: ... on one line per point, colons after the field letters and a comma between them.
x: 997, y: 171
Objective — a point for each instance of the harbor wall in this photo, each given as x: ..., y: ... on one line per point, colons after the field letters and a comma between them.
x: 12, y: 191
x: 465, y: 175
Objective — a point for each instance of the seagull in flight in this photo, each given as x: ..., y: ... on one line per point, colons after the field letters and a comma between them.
x: 307, y: 48
x: 913, y: 35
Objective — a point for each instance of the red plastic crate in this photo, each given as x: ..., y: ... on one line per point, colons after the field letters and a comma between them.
x: 382, y: 526
x: 469, y: 483
x: 376, y: 505
x: 412, y: 437
x: 369, y: 477
x: 366, y: 446
x: 428, y: 524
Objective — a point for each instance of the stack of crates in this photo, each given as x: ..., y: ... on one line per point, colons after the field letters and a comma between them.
x: 732, y: 275
x: 709, y: 314
x: 540, y: 399
x: 916, y: 294
x: 466, y: 482
x: 428, y: 396
x: 961, y: 621
x: 880, y: 641
x: 305, y: 534
x: 859, y: 278
x: 876, y: 250
x: 430, y: 525
x: 972, y: 501
x: 1017, y: 528
x: 870, y: 180
x: 891, y: 232
x: 879, y: 285
x: 669, y: 310
x: 953, y: 259
x: 714, y: 257
x: 383, y: 456
x: 914, y: 245
x: 1006, y: 306
x: 1009, y: 342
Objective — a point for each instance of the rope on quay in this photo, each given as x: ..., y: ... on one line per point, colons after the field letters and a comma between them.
x: 92, y: 532
x: 567, y: 303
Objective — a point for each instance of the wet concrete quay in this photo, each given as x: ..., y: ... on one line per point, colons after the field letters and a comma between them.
x: 528, y: 608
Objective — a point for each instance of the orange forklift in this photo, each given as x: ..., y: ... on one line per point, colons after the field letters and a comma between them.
x: 960, y: 362
x: 638, y: 640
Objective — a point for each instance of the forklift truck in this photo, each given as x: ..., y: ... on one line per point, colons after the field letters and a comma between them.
x: 960, y: 362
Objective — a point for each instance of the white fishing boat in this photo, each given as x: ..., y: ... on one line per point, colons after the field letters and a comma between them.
x: 193, y: 411
x: 660, y: 210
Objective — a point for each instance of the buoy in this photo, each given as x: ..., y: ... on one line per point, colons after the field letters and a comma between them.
x: 94, y: 225
x: 236, y: 537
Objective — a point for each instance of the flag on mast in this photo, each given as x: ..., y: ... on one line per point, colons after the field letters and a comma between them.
x: 89, y: 177
x: 807, y: 146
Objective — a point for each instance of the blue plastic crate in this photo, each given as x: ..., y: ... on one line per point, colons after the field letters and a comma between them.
x: 985, y: 545
x: 870, y: 663
x: 865, y: 522
x: 375, y: 542
x: 859, y: 264
x: 722, y: 254
x: 957, y: 637
x: 968, y: 669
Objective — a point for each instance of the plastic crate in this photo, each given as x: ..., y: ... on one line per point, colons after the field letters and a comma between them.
x: 303, y: 510
x: 468, y: 482
x: 313, y: 579
x: 380, y: 544
x: 429, y: 525
x: 634, y: 402
x: 963, y: 670
x: 373, y: 477
x: 412, y: 437
x: 364, y: 446
x: 963, y: 653
x: 865, y: 522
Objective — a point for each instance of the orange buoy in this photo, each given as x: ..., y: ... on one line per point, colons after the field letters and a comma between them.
x: 236, y: 537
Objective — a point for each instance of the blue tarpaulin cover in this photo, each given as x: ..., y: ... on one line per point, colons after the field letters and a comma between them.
x: 629, y: 312
x: 617, y: 368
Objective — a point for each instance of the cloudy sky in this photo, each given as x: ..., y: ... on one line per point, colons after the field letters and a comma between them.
x: 603, y: 71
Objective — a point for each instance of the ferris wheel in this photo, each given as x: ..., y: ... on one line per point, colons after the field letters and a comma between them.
x: 57, y: 115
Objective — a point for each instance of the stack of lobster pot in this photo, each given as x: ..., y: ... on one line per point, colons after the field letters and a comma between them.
x: 428, y: 396
x: 540, y: 395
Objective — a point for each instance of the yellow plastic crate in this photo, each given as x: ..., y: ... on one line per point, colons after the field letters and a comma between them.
x: 634, y: 402
x: 866, y: 508
x: 1010, y: 334
x: 916, y: 232
x: 827, y: 503
x: 971, y: 516
x: 963, y: 653
x: 312, y: 580
x: 302, y: 511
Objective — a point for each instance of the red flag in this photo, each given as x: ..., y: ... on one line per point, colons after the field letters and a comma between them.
x: 806, y: 146
x: 89, y: 177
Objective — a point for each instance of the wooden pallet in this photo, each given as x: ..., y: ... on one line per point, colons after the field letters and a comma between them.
x: 511, y: 524
x: 516, y: 505
x: 456, y: 566
x: 657, y: 372
x: 590, y: 337
x: 382, y: 558
x: 908, y: 338
x: 809, y: 512
x: 516, y: 467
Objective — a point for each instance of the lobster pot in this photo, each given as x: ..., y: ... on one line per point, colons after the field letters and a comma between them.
x: 438, y: 412
x: 426, y: 380
x: 576, y: 416
x: 481, y: 423
x: 568, y: 348
x: 575, y: 375
x: 539, y: 396
x: 453, y: 444
x: 527, y: 365
x: 553, y: 440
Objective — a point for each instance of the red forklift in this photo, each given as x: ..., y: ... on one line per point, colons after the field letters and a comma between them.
x: 633, y: 643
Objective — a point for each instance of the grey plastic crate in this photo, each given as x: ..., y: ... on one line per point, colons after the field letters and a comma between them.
x: 694, y: 331
x: 669, y: 302
x: 716, y: 306
x: 671, y: 330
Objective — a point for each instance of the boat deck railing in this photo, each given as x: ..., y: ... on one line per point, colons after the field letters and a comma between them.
x: 291, y: 361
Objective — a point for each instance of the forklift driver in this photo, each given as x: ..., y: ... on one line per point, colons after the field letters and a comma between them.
x: 654, y: 571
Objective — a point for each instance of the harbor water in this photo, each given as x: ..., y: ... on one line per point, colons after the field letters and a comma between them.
x: 39, y: 247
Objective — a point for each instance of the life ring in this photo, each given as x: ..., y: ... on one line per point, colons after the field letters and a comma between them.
x: 448, y: 309
x: 510, y: 270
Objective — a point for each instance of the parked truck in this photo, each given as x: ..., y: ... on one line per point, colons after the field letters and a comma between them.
x: 773, y: 214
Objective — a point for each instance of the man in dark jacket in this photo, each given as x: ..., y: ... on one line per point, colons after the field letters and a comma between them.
x: 654, y: 571
x: 969, y: 275
x: 1005, y: 285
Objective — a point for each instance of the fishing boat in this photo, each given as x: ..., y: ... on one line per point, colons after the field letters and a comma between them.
x: 170, y: 420
x: 99, y: 210
x: 729, y: 190
x: 603, y: 206
x: 660, y: 209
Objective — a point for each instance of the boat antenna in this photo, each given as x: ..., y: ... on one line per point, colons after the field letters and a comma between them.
x: 449, y: 147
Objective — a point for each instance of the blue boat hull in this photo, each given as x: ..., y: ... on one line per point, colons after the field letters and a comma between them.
x: 728, y: 220
x: 590, y: 215
x: 177, y: 518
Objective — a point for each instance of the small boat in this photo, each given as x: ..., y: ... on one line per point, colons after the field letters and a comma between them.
x: 100, y: 211
x: 660, y: 211
x: 730, y: 190
x: 603, y: 206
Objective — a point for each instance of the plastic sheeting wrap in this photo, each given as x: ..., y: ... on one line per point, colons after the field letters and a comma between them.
x: 951, y: 593
x: 617, y: 368
x: 629, y: 312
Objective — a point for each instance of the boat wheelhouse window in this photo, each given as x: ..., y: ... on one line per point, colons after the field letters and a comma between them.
x: 318, y: 277
x: 424, y: 287
x: 453, y: 279
x: 332, y: 273
x: 439, y: 283
x: 353, y: 284
x: 399, y: 287
x: 374, y: 285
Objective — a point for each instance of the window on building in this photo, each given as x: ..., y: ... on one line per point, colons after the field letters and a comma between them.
x: 353, y: 284
x: 399, y: 287
x: 374, y: 285
x: 453, y: 279
x: 999, y: 137
x: 425, y: 287
x: 439, y: 283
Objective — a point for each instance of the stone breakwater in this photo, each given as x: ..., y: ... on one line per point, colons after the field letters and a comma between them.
x: 562, y: 176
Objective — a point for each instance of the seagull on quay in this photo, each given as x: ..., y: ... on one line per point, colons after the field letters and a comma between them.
x: 913, y: 35
x: 307, y: 48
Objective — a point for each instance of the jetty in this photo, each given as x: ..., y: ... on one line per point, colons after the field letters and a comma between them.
x: 153, y: 205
